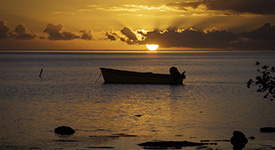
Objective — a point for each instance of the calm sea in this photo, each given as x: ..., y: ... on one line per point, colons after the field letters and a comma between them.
x: 213, y: 102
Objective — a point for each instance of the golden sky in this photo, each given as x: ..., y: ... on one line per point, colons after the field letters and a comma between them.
x: 129, y: 25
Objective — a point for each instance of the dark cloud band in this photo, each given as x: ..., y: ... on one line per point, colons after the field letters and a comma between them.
x: 20, y: 32
x: 4, y: 30
x: 260, y: 7
x: 261, y: 38
x: 54, y: 31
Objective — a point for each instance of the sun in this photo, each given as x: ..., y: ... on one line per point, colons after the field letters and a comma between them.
x: 152, y: 47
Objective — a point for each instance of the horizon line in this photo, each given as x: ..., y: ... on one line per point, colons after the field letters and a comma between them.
x: 123, y: 50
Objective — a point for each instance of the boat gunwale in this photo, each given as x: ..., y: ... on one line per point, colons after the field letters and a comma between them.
x: 134, y: 72
x: 163, y: 78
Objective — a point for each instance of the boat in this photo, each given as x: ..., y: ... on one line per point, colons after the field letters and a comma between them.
x: 132, y: 77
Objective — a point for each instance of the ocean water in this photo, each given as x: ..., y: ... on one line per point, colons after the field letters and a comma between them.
x: 213, y: 102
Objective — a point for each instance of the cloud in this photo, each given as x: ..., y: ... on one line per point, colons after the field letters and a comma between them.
x: 249, y: 44
x: 260, y: 7
x: 54, y: 31
x: 125, y: 35
x: 264, y: 33
x: 191, y: 38
x: 262, y: 38
x: 173, y: 37
x: 263, y: 7
x: 86, y: 35
x: 131, y: 35
x: 21, y: 33
x: 134, y: 8
x: 55, y: 34
x: 186, y: 4
x: 4, y: 30
x: 111, y: 36
x: 141, y: 33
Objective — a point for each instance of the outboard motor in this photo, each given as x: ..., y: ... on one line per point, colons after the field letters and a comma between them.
x: 183, y: 75
x: 174, y: 72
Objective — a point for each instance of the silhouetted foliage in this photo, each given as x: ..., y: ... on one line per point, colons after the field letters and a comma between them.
x: 265, y: 81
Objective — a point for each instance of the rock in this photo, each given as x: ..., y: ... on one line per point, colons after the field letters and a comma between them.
x: 171, y: 144
x: 101, y: 147
x: 215, y: 140
x: 66, y: 140
x: 238, y: 140
x: 267, y: 129
x: 125, y: 135
x: 107, y: 136
x: 34, y: 148
x: 64, y: 130
x: 178, y: 135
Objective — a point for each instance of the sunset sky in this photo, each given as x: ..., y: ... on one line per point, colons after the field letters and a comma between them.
x: 129, y: 25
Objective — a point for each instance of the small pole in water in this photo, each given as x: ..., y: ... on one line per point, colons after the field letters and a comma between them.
x: 40, y: 75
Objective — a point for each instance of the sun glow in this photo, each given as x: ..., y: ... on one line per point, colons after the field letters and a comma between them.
x: 152, y: 47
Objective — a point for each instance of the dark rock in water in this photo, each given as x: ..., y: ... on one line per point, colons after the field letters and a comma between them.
x: 102, y: 147
x: 100, y: 130
x: 171, y: 144
x: 179, y: 135
x: 34, y: 148
x: 64, y: 130
x: 66, y: 140
x: 238, y: 140
x: 267, y: 129
x: 125, y: 135
x: 107, y: 136
x: 114, y: 136
x: 215, y: 140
